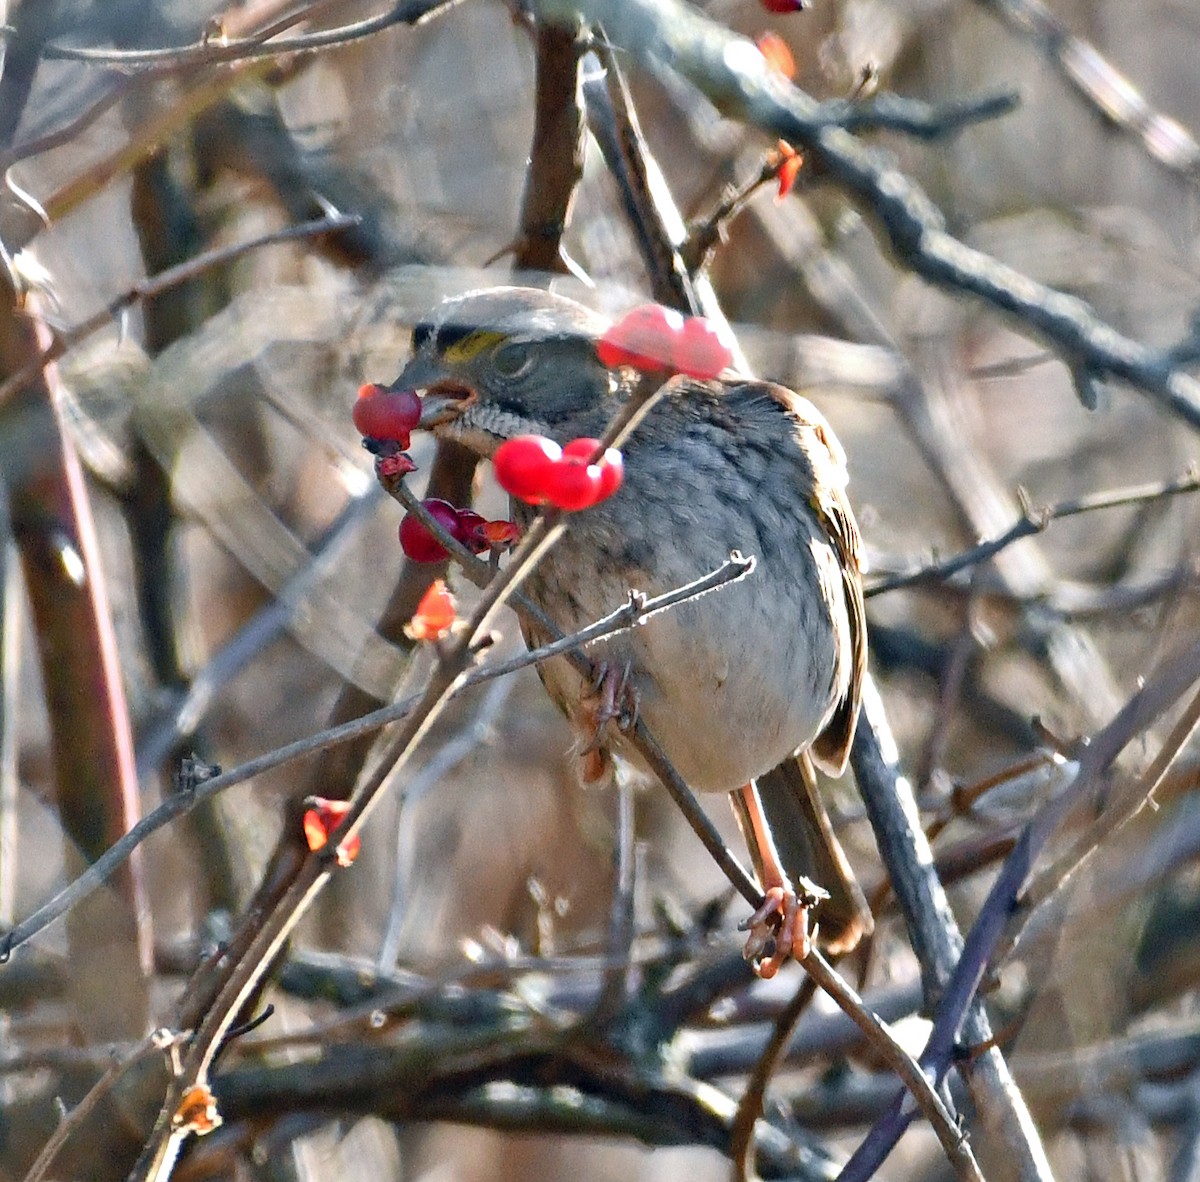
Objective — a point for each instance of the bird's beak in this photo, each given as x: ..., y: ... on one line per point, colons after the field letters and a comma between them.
x: 443, y: 402
x: 443, y: 398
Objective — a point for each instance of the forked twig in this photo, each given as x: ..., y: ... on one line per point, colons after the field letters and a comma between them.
x: 1034, y: 521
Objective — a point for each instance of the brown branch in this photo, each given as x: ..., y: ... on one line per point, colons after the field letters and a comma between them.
x: 750, y: 1106
x: 269, y: 930
x: 91, y: 740
x: 157, y: 1043
x: 657, y: 226
x: 556, y: 153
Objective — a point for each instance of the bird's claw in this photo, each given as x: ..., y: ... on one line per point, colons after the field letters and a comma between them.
x: 778, y: 930
x: 611, y: 698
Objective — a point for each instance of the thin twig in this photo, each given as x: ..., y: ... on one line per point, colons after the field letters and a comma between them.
x: 233, y: 21
x: 209, y: 51
x: 158, y: 1042
x: 155, y: 285
x: 269, y: 930
x: 707, y: 232
x: 648, y: 205
x: 1103, y: 87
x: 630, y: 615
x: 1126, y: 804
x: 750, y: 1106
x: 1034, y: 521
x: 728, y: 69
x: 915, y: 117
x: 920, y: 1087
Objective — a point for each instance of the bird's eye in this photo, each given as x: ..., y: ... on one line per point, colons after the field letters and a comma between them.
x: 421, y: 335
x: 513, y: 360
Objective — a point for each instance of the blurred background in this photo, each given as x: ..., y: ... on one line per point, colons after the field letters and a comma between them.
x: 194, y: 459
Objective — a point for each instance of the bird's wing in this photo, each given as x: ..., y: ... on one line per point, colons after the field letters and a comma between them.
x: 831, y: 507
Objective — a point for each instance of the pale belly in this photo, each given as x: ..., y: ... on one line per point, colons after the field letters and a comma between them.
x: 729, y: 684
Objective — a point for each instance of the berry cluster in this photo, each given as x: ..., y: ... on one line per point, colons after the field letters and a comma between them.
x: 464, y: 525
x: 655, y: 339
x: 536, y: 470
x: 531, y: 468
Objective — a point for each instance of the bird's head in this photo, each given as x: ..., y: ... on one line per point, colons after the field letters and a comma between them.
x: 508, y: 361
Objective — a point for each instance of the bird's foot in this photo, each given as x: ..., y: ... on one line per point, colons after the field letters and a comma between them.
x: 779, y: 928
x: 610, y: 698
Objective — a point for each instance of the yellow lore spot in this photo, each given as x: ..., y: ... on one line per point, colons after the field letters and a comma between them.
x: 471, y: 346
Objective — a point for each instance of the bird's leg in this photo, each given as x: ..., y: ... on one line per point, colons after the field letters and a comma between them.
x: 781, y: 922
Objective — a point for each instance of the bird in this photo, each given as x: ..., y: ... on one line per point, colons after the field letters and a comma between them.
x: 745, y: 688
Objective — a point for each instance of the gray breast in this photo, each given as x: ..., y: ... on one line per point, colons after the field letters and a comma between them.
x: 734, y: 682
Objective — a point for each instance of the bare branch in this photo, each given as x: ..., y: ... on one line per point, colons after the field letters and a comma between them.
x: 730, y: 71
x: 630, y: 615
x: 156, y: 284
x: 1033, y: 522
x: 210, y: 51
x: 1101, y: 85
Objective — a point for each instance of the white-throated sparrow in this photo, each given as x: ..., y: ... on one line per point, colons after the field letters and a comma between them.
x: 741, y: 687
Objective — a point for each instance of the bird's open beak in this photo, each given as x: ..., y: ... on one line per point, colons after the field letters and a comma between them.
x: 442, y: 402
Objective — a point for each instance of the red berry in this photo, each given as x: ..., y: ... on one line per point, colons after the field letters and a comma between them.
x: 643, y: 338
x: 702, y: 350
x: 573, y: 484
x: 612, y: 472
x: 523, y: 466
x: 784, y: 6
x: 468, y: 529
x: 611, y: 464
x: 380, y: 413
x: 417, y: 542
x: 581, y: 449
